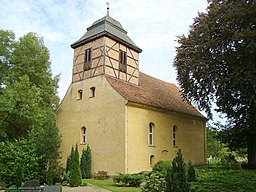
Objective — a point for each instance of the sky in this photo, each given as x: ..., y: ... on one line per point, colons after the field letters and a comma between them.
x: 152, y: 24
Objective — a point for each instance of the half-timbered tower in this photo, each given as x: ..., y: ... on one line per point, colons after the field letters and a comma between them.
x: 106, y: 49
x: 130, y: 120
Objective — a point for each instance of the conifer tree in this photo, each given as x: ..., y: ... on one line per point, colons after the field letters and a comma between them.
x: 168, y: 180
x: 88, y: 164
x: 178, y: 181
x: 75, y: 172
x: 68, y: 164
x: 83, y: 164
x: 191, y: 172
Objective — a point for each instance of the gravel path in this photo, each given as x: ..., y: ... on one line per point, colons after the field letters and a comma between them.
x: 88, y: 188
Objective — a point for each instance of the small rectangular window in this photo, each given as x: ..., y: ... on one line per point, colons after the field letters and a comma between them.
x: 79, y: 94
x: 174, y: 130
x: 87, y: 59
x: 122, y: 61
x: 92, y: 92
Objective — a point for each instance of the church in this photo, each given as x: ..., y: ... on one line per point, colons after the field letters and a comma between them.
x: 129, y: 119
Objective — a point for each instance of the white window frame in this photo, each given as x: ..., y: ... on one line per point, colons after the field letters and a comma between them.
x: 151, y: 130
x: 84, y: 135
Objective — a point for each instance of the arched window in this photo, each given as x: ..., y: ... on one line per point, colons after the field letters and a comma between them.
x: 84, y: 135
x: 92, y: 92
x: 79, y: 94
x: 151, y: 130
x: 152, y: 160
x: 174, y: 132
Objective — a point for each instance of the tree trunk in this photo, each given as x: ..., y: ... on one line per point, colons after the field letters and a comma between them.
x: 251, y: 148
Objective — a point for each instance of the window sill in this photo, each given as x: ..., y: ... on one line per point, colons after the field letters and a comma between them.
x: 151, y: 145
x: 83, y: 143
x: 175, y: 146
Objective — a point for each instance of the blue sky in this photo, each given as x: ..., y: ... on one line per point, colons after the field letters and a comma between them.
x: 152, y: 24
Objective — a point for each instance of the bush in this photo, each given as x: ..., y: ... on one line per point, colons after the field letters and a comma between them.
x: 18, y: 162
x: 132, y: 180
x: 154, y: 183
x: 249, y: 166
x: 162, y: 166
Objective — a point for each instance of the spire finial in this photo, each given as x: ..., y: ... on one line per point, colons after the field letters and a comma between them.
x: 107, y: 7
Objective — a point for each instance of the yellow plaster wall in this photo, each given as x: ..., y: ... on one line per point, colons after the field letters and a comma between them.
x: 190, y: 138
x: 104, y: 118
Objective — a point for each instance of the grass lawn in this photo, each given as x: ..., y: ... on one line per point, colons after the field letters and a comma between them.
x: 225, y: 181
x: 207, y: 181
x: 110, y: 185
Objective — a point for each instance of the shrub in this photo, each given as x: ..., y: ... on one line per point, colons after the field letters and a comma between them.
x: 132, y: 180
x: 154, y: 183
x: 191, y: 172
x: 162, y: 166
x: 249, y: 166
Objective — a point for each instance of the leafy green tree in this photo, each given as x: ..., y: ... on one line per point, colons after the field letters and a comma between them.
x: 7, y: 39
x: 75, y: 172
x: 28, y: 98
x: 88, y: 163
x: 216, y: 63
x: 215, y: 148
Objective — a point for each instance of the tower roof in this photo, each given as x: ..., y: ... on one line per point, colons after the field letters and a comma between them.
x: 109, y: 27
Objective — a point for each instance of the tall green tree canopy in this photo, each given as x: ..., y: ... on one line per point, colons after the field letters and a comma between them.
x: 216, y: 62
x: 28, y: 88
x: 28, y: 98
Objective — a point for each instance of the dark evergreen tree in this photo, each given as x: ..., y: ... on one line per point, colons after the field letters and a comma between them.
x: 68, y: 164
x: 178, y: 181
x: 88, y: 164
x: 168, y: 180
x: 83, y: 164
x: 191, y: 172
x: 75, y: 172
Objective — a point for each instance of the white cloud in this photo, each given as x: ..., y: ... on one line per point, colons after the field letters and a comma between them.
x: 152, y: 25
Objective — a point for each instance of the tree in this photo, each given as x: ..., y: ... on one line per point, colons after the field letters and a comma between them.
x: 75, y: 172
x: 216, y: 63
x: 83, y: 164
x: 28, y: 98
x: 27, y: 89
x: 191, y: 172
x: 178, y: 181
x: 215, y: 148
x: 88, y: 163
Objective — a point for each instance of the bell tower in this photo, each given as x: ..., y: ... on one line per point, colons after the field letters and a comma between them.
x: 106, y: 49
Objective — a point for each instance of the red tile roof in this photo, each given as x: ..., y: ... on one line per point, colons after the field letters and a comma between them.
x: 155, y: 93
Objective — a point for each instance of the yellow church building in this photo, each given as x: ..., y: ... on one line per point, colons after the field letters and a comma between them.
x: 129, y: 119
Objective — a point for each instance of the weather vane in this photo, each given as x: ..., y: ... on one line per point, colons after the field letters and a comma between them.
x: 107, y: 7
